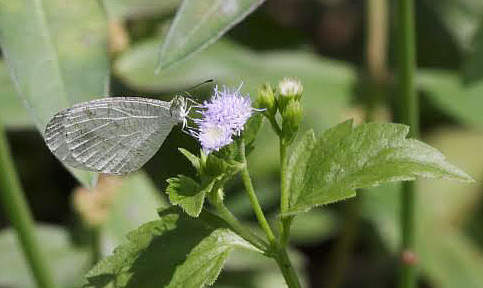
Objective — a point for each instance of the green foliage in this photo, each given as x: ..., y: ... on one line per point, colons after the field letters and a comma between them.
x: 473, y: 71
x: 118, y: 9
x: 161, y: 252
x: 69, y: 262
x: 187, y: 193
x: 345, y: 158
x: 135, y: 202
x: 199, y: 23
x: 61, y: 60
x: 460, y: 100
x: 12, y: 114
x: 328, y: 84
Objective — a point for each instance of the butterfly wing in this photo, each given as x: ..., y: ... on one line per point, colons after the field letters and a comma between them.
x: 112, y: 135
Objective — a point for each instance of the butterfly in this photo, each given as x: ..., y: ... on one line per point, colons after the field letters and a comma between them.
x: 114, y: 135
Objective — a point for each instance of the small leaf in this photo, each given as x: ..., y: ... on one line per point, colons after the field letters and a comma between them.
x: 205, y: 261
x: 186, y: 193
x: 198, y: 23
x: 345, y: 158
x: 214, y: 166
x: 57, y: 54
x: 156, y: 251
x: 195, y: 161
x: 252, y: 127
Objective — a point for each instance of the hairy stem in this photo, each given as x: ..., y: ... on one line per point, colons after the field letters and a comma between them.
x: 16, y: 209
x: 409, y: 115
x: 236, y: 225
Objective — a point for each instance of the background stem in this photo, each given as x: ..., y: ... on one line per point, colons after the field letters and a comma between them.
x: 16, y: 209
x: 409, y: 115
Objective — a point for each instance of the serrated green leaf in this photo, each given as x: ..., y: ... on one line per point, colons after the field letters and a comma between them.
x: 214, y: 166
x: 57, y: 54
x: 12, y: 112
x: 154, y: 252
x: 345, y: 158
x: 187, y: 193
x: 68, y: 263
x: 205, y: 261
x: 296, y: 164
x: 199, y: 23
x: 195, y: 161
x: 132, y: 9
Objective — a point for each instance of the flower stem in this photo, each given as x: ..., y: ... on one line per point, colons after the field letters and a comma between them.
x: 16, y: 208
x: 409, y: 115
x: 236, y: 225
x: 284, y: 196
x: 277, y: 249
x: 253, y: 197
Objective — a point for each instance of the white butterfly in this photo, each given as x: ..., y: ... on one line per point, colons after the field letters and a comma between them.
x: 113, y: 135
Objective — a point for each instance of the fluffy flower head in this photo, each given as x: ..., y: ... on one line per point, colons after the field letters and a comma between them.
x: 222, y: 118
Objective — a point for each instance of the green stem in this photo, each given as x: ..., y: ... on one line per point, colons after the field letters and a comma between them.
x: 236, y: 225
x: 283, y: 262
x: 410, y: 116
x: 284, y: 196
x: 253, y: 197
x: 277, y: 250
x: 17, y: 211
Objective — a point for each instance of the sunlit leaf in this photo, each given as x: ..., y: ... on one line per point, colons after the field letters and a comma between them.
x: 68, y: 263
x: 199, y: 23
x: 57, y: 55
x: 346, y: 157
x: 186, y: 193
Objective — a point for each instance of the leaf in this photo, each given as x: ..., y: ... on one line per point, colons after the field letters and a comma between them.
x: 252, y: 127
x: 12, y: 113
x: 187, y: 193
x: 345, y: 158
x: 67, y: 262
x: 205, y: 261
x: 133, y: 9
x: 473, y: 71
x: 450, y: 94
x: 135, y: 202
x: 199, y: 23
x: 195, y: 161
x: 57, y: 54
x: 160, y: 249
x: 296, y: 164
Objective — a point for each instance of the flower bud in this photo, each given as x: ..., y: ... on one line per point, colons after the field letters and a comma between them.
x: 291, y: 117
x: 289, y: 89
x: 266, y: 99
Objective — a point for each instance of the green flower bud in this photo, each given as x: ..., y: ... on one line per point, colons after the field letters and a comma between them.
x: 266, y: 99
x: 291, y: 117
x: 289, y: 89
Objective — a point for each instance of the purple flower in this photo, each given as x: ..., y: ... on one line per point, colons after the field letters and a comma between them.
x: 221, y: 118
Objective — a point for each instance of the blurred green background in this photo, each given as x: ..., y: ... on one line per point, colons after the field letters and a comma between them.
x: 343, y: 62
